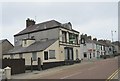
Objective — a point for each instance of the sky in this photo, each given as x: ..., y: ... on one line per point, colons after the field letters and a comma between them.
x: 97, y: 19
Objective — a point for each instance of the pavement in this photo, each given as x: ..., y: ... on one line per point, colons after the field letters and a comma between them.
x: 92, y: 69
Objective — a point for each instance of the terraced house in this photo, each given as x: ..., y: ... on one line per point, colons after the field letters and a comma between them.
x: 90, y: 48
x: 52, y: 42
x: 94, y: 49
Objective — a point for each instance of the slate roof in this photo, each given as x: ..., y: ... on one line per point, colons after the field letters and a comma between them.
x: 92, y: 41
x: 42, y: 26
x: 5, y: 46
x: 97, y: 42
x: 35, y: 47
x: 1, y: 41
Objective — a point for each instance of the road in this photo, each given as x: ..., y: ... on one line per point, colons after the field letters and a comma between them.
x: 93, y: 70
x: 106, y: 69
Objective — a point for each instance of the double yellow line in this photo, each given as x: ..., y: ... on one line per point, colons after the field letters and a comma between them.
x: 113, y: 75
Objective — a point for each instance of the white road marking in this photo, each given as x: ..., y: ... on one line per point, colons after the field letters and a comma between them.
x: 70, y: 75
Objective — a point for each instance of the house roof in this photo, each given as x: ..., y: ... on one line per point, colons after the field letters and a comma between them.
x: 42, y: 26
x: 5, y: 46
x: 1, y: 41
x: 35, y: 47
x: 97, y: 42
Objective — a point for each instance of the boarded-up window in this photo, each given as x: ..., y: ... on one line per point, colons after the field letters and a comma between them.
x: 34, y: 56
x: 52, y: 54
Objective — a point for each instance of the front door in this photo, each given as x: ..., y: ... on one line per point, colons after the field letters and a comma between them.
x: 45, y: 55
x: 90, y: 56
x: 68, y: 53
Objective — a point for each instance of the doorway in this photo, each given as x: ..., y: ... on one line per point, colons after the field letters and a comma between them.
x: 68, y: 53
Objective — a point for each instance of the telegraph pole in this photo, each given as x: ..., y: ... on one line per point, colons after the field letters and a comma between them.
x: 112, y: 32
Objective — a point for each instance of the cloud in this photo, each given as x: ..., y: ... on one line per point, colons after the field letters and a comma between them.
x: 101, y: 28
x: 96, y: 19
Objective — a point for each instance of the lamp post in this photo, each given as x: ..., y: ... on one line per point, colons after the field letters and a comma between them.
x: 112, y: 32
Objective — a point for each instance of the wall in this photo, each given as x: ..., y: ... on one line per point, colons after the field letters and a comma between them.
x: 92, y: 46
x: 83, y: 48
x: 51, y: 34
x: 26, y: 56
x: 74, y: 52
x: 62, y: 55
x: 28, y: 42
x: 54, y: 46
x: 17, y: 65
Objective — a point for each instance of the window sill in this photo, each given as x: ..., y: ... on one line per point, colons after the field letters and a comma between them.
x: 52, y: 58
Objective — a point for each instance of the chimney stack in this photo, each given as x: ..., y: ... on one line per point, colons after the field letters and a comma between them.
x: 89, y: 37
x: 95, y: 39
x: 29, y: 22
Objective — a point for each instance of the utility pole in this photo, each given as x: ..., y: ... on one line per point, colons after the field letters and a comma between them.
x: 112, y: 32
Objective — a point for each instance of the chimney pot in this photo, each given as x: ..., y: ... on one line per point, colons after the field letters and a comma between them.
x: 29, y: 22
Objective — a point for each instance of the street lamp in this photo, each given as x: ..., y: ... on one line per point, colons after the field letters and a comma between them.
x: 112, y: 32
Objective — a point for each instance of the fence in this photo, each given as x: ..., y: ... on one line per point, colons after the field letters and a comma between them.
x: 17, y: 65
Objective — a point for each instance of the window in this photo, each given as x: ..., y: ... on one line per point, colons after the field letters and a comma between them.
x: 21, y: 55
x: 90, y: 56
x: 93, y: 54
x: 25, y: 42
x: 76, y: 53
x: 76, y: 39
x: 71, y: 38
x: 82, y: 41
x: 64, y: 37
x: 70, y: 54
x: 32, y: 37
x: 45, y: 55
x: 101, y: 47
x: 12, y: 56
x: 52, y: 54
x: 85, y: 54
x: 34, y: 56
x: 66, y: 54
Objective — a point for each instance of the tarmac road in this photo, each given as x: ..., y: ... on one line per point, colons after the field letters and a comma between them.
x: 100, y: 69
x: 95, y: 70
